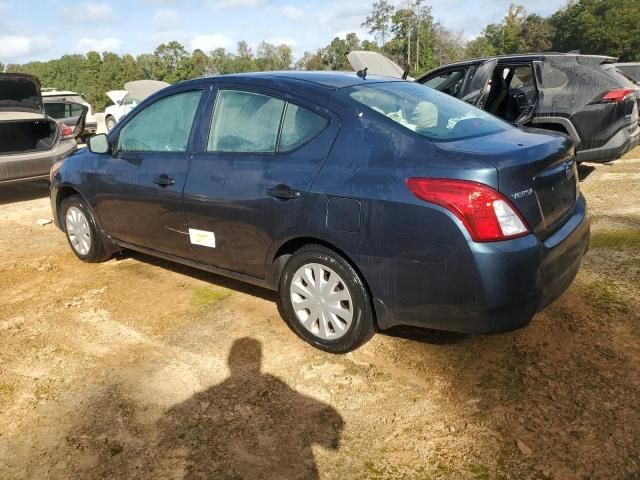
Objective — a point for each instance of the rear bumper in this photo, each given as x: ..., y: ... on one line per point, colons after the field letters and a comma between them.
x: 505, y: 284
x: 618, y: 145
x: 33, y: 165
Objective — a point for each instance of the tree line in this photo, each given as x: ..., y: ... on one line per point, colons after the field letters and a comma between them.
x: 409, y: 35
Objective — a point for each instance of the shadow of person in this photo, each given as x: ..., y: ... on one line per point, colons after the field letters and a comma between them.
x: 252, y: 425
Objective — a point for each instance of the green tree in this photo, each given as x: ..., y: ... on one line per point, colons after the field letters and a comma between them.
x: 172, y: 62
x: 379, y: 22
x: 518, y: 32
x: 479, y: 47
x: 273, y: 57
x: 604, y: 27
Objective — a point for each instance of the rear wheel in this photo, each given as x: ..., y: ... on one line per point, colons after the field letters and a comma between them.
x: 86, y: 241
x: 325, y: 301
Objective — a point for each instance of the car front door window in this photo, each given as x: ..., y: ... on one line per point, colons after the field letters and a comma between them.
x: 164, y: 126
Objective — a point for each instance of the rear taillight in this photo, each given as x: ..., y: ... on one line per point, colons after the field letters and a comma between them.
x: 487, y: 214
x: 65, y: 131
x: 616, y: 95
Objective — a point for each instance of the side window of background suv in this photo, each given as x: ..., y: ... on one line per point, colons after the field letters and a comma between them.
x: 248, y: 122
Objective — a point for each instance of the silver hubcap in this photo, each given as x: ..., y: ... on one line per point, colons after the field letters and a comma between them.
x: 78, y: 230
x: 321, y: 301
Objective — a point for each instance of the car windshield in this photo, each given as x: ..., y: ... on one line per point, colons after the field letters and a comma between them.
x: 423, y: 110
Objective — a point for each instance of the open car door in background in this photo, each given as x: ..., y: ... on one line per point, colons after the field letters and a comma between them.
x: 70, y: 113
x: 477, y: 88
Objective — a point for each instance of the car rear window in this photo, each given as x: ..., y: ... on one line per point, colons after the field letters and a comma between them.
x: 425, y: 111
x: 622, y: 78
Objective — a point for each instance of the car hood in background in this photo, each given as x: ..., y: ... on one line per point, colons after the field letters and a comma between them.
x: 20, y: 92
x: 116, y: 96
x: 141, y: 89
x: 375, y: 63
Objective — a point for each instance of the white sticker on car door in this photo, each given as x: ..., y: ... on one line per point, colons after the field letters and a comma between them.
x: 202, y: 237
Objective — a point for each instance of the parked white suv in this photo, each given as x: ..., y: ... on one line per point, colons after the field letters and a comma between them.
x: 123, y: 103
x: 125, y: 100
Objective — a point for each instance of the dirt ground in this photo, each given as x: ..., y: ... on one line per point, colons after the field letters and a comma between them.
x: 137, y: 368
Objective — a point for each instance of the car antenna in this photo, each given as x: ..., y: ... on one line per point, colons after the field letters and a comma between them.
x: 362, y: 73
x: 405, y: 74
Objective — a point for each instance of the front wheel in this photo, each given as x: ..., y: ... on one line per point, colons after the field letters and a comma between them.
x: 83, y: 236
x: 325, y: 301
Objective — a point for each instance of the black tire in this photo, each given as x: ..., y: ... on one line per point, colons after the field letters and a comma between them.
x: 97, y: 251
x: 362, y: 325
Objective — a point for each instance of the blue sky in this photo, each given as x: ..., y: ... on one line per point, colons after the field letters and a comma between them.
x: 44, y: 29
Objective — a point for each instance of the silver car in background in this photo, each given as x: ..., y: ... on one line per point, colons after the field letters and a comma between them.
x: 31, y: 141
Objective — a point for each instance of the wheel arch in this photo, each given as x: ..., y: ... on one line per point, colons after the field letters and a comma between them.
x: 291, y: 245
x: 66, y: 191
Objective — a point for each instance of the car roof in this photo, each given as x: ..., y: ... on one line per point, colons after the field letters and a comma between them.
x: 320, y: 79
x: 523, y: 57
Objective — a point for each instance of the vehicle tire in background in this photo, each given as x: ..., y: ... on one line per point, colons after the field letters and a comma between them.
x: 325, y: 301
x: 86, y: 241
x: 109, y: 123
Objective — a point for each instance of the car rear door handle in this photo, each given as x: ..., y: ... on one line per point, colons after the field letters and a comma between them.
x: 283, y: 192
x: 164, y: 180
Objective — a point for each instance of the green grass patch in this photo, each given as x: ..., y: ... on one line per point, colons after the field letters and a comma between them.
x: 207, y: 296
x: 606, y: 297
x: 6, y: 390
x: 480, y: 472
x: 616, y: 239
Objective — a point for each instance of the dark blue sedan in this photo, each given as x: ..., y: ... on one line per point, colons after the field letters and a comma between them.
x: 367, y: 202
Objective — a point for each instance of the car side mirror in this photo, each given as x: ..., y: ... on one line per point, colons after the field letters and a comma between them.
x: 98, y: 143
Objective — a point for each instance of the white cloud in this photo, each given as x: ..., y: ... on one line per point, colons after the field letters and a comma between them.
x: 14, y: 47
x: 166, y: 19
x: 292, y: 12
x: 232, y: 4
x: 97, y: 11
x: 208, y: 42
x: 282, y: 41
x: 107, y: 44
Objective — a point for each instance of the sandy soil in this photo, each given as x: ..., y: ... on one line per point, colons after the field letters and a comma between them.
x: 137, y: 368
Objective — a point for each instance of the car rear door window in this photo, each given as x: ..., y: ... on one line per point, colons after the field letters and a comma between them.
x: 164, y: 126
x: 299, y: 126
x: 245, y: 122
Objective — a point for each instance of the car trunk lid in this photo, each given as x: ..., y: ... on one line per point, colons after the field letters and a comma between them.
x: 537, y: 172
x: 20, y: 93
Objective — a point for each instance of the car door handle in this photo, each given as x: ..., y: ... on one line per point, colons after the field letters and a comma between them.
x: 164, y: 180
x: 283, y: 192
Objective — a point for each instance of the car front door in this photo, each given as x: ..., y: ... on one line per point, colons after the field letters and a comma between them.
x: 260, y: 154
x: 476, y: 88
x: 139, y: 186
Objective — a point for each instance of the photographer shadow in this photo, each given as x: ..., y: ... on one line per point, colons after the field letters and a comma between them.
x: 252, y: 425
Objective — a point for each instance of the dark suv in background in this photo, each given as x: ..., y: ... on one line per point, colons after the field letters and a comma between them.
x: 584, y: 96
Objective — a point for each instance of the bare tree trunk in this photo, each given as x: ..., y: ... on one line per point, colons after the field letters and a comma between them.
x: 418, y: 41
x: 409, y: 36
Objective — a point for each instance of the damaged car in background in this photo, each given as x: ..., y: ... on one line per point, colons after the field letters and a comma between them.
x: 583, y: 96
x: 125, y: 100
x: 30, y: 140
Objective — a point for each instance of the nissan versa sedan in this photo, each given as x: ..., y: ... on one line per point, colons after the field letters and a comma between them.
x: 367, y: 202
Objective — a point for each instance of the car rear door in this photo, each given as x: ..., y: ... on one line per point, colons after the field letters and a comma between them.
x: 260, y: 154
x: 476, y: 89
x: 139, y: 186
